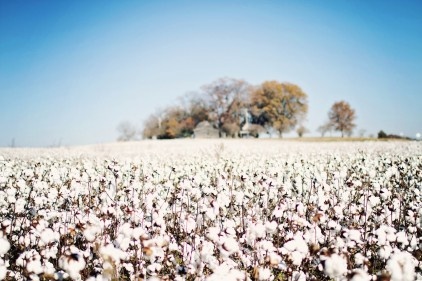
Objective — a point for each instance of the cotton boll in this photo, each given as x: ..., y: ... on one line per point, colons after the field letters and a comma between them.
x: 48, y: 236
x: 72, y: 262
x: 109, y: 252
x: 385, y: 251
x: 401, y: 238
x: 91, y: 231
x: 359, y: 259
x: 264, y: 273
x: 298, y: 276
x: 259, y: 230
x: 271, y: 227
x: 335, y: 266
x: 154, y: 268
x: 213, y: 233
x: 359, y: 275
x: 401, y: 266
x: 230, y: 245
x: 296, y: 257
x: 4, y: 246
x: 3, y: 271
x: 274, y: 259
x: 34, y: 266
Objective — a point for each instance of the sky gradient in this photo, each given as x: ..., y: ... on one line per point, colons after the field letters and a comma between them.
x: 71, y: 71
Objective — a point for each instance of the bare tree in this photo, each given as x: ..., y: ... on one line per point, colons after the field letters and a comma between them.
x: 342, y: 117
x: 127, y: 131
x: 226, y: 97
x: 324, y: 128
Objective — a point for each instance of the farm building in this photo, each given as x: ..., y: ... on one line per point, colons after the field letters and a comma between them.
x: 205, y: 130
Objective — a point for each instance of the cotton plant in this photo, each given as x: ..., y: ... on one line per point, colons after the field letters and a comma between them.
x: 279, y: 212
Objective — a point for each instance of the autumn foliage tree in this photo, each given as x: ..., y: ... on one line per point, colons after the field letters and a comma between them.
x: 280, y: 106
x: 341, y: 117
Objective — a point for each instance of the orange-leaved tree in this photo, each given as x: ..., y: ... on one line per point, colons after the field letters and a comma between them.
x: 341, y: 117
x: 280, y: 106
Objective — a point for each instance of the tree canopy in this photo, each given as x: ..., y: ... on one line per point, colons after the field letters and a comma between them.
x: 341, y: 117
x: 280, y: 106
x: 228, y: 104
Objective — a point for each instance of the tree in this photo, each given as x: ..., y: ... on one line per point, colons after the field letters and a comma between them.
x: 127, y: 131
x: 278, y: 105
x: 342, y: 117
x: 225, y: 98
x: 382, y: 135
x: 324, y: 128
x: 301, y: 131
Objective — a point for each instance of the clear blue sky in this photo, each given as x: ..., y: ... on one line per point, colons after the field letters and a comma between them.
x: 70, y: 71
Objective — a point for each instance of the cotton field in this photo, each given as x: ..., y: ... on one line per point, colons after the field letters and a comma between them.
x: 212, y: 210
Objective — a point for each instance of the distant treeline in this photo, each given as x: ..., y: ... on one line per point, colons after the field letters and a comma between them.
x: 236, y: 108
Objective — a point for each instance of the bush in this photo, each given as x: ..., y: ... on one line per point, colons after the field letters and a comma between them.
x: 382, y: 135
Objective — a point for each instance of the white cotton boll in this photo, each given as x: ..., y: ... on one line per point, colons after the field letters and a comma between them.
x: 354, y: 235
x: 110, y: 252
x: 190, y: 225
x: 290, y: 246
x: 401, y: 238
x: 381, y: 236
x: 48, y: 268
x: 275, y: 259
x: 266, y: 245
x: 230, y: 231
x: 335, y: 266
x: 390, y: 232
x: 34, y: 265
x: 413, y: 243
x: 48, y: 236
x: 385, y: 193
x: 213, y: 233
x: 156, y: 254
x: 271, y: 227
x: 360, y: 275
x: 230, y: 245
x: 359, y: 259
x: 211, y: 214
x: 385, y: 251
x: 401, y: 266
x: 72, y: 262
x: 91, y: 231
x: 173, y: 247
x: 3, y: 271
x: 298, y: 276
x: 373, y: 201
x: 296, y: 258
x: 259, y: 230
x: 277, y: 213
x: 332, y: 225
x: 154, y: 268
x: 20, y: 205
x: 4, y: 246
x: 126, y: 230
x: 123, y: 242
x: 138, y: 232
x: 264, y: 273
